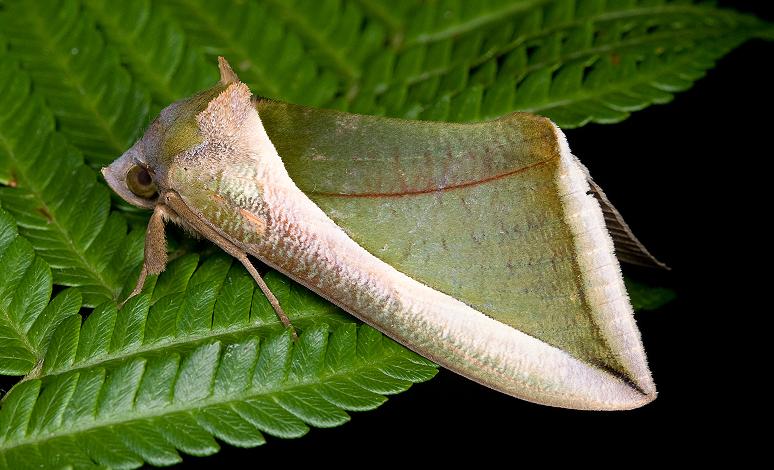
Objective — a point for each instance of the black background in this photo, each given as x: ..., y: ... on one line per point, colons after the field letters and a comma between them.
x: 691, y: 178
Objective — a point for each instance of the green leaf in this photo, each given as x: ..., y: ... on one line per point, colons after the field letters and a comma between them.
x: 258, y: 35
x: 575, y: 62
x: 56, y: 199
x: 109, y: 391
x: 645, y: 297
x: 99, y: 107
x: 120, y: 402
x: 27, y: 318
x: 154, y: 47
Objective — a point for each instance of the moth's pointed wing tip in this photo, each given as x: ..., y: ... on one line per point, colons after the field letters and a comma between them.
x: 562, y: 380
x: 640, y: 397
x: 647, y: 398
x: 627, y: 393
x: 227, y: 74
x: 637, y: 401
x: 614, y: 395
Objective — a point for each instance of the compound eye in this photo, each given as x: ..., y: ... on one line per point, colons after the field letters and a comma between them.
x: 140, y: 182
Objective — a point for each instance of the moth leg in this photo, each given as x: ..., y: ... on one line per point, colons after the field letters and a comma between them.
x: 191, y: 219
x: 155, y: 257
x: 269, y: 294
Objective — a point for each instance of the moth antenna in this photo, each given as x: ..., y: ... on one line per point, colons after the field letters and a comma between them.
x: 227, y: 75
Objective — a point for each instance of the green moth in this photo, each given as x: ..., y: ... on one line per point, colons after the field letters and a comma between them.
x: 484, y: 247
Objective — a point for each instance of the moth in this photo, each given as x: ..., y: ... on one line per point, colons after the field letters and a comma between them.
x: 484, y: 247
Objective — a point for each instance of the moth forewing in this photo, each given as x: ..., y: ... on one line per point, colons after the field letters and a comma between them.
x: 600, y: 272
x: 232, y: 185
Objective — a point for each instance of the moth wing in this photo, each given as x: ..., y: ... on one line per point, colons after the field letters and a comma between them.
x: 498, y: 215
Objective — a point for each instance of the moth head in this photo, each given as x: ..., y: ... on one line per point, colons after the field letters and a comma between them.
x: 181, y: 131
x: 133, y: 178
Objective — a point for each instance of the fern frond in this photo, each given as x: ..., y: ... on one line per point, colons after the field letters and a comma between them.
x: 155, y: 49
x: 575, y: 62
x: 187, y: 305
x: 98, y: 106
x: 333, y: 43
x: 272, y: 53
x: 200, y: 354
x: 56, y: 199
x: 645, y: 297
x: 27, y: 319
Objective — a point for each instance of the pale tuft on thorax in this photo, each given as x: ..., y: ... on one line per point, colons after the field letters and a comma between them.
x: 225, y: 114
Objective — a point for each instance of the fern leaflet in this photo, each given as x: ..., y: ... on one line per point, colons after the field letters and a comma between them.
x: 154, y: 48
x: 27, y: 319
x: 573, y: 61
x: 56, y: 199
x: 99, y: 108
x: 200, y: 354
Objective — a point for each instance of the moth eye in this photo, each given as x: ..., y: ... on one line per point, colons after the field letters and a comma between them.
x: 141, y: 182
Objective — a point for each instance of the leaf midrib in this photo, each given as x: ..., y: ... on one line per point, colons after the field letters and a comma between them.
x: 492, y: 16
x: 188, y: 341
